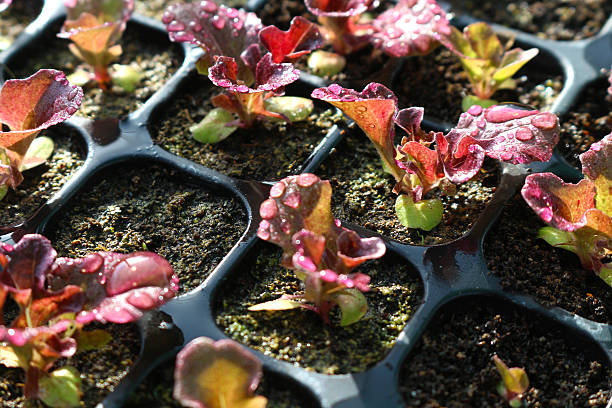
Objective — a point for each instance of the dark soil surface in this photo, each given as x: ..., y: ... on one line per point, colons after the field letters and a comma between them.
x: 451, y: 365
x: 438, y: 83
x: 269, y: 151
x: 41, y: 182
x: 362, y: 194
x: 553, y: 19
x: 101, y: 370
x: 15, y: 19
x: 154, y: 209
x: 149, y: 51
x: 156, y: 391
x: 588, y: 121
x: 554, y: 277
x: 299, y: 336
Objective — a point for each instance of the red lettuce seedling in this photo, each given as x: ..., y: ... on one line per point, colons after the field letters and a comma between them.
x: 488, y: 64
x: 56, y: 297
x: 579, y: 215
x: 411, y: 27
x: 28, y: 106
x: 4, y: 4
x: 297, y: 217
x: 514, y: 382
x: 233, y: 57
x: 217, y: 374
x: 510, y: 133
x: 95, y: 27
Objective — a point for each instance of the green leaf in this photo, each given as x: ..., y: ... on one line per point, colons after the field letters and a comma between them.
x: 3, y: 191
x: 324, y: 63
x: 515, y: 379
x: 93, y: 339
x: 293, y: 107
x: 212, y: 128
x: 558, y: 238
x: 8, y: 358
x: 606, y: 274
x: 512, y: 62
x: 38, y: 153
x: 353, y: 305
x: 278, y: 304
x: 484, y: 42
x: 470, y: 100
x: 61, y: 388
x: 425, y: 214
x: 126, y: 77
x: 203, y: 64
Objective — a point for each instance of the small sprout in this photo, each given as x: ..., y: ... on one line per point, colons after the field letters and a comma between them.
x: 217, y: 374
x: 510, y: 133
x: 95, y: 27
x: 126, y: 77
x: 294, y: 108
x: 488, y: 64
x: 514, y: 382
x: 233, y: 41
x: 425, y: 214
x: 38, y: 153
x: 579, y: 215
x: 27, y: 106
x: 58, y: 296
x: 297, y: 217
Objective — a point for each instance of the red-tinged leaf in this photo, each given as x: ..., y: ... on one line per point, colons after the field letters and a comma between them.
x: 597, y: 166
x: 30, y: 105
x: 354, y: 250
x: 338, y: 8
x: 302, y: 37
x: 508, y: 132
x: 51, y: 345
x: 562, y: 205
x: 372, y: 109
x: 410, y: 120
x: 43, y: 309
x: 462, y: 161
x: 309, y: 249
x: 28, y: 262
x: 117, y: 287
x: 92, y: 38
x: 219, y: 30
x: 217, y: 374
x: 295, y: 203
x: 412, y: 27
x: 423, y: 162
x: 21, y: 337
x: 104, y: 10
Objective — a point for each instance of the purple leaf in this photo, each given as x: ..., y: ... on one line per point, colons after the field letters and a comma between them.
x: 29, y: 261
x: 509, y: 133
x: 338, y: 8
x: 287, y: 46
x: 219, y: 30
x: 104, y: 10
x: 412, y: 27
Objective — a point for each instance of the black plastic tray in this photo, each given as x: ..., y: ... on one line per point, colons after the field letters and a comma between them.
x: 449, y: 271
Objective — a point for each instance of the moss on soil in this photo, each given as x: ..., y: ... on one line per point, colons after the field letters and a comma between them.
x: 151, y: 208
x: 147, y: 50
x: 19, y: 14
x: 437, y: 82
x: 269, y: 151
x: 588, y: 121
x: 553, y: 276
x: 101, y: 370
x: 451, y: 364
x: 156, y: 391
x: 299, y: 336
x: 362, y: 194
x: 568, y: 20
x: 41, y: 182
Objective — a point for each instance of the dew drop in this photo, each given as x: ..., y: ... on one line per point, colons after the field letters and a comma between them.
x: 268, y: 209
x: 218, y: 22
x: 475, y: 110
x: 175, y: 26
x: 209, y: 6
x: 307, y: 179
x: 167, y: 17
x: 524, y: 134
x: 195, y: 26
x: 277, y: 190
x: 506, y: 156
x: 544, y: 121
x: 292, y: 200
x: 504, y: 113
x: 361, y: 109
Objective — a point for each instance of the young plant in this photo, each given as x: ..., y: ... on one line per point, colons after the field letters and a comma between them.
x: 411, y: 27
x: 217, y: 374
x: 579, y: 215
x: 514, y: 382
x: 27, y: 106
x: 297, y: 217
x: 234, y: 61
x: 95, y: 27
x: 56, y: 297
x: 488, y: 63
x: 513, y: 134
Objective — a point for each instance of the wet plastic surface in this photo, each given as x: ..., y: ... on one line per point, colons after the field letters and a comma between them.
x: 450, y: 271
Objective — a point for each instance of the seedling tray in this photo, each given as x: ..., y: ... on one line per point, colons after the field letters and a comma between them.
x: 455, y: 270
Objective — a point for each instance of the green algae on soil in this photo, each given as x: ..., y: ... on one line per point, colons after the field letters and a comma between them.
x: 148, y: 207
x: 269, y: 151
x: 299, y: 336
